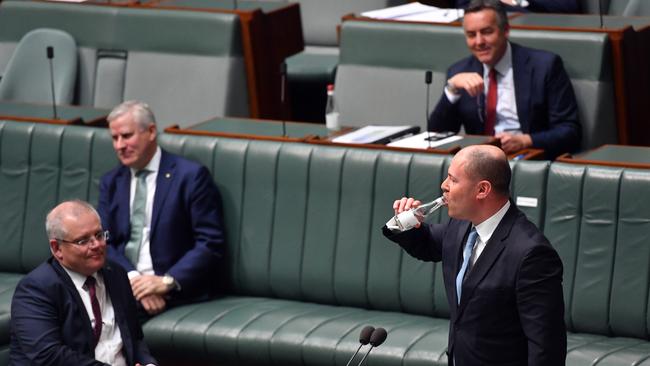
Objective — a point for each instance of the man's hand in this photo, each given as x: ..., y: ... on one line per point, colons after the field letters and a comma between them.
x: 405, y: 204
x: 511, y: 143
x: 145, y: 285
x: 153, y: 304
x: 470, y: 81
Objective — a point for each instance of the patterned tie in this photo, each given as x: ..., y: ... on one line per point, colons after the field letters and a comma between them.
x: 138, y: 217
x: 491, y: 111
x: 97, y: 329
x: 467, y: 255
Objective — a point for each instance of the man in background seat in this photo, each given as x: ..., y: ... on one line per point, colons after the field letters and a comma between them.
x: 163, y: 212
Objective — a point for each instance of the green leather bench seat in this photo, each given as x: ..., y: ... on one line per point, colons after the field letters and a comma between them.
x: 137, y: 53
x: 380, y: 57
x: 307, y: 266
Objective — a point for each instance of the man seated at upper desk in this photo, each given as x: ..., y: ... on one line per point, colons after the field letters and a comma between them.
x: 526, y: 101
x: 542, y: 6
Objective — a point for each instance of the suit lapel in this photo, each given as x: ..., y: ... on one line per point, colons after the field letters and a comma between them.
x: 123, y: 193
x: 113, y: 292
x: 522, y: 76
x: 72, y: 291
x: 163, y: 183
x: 488, y: 257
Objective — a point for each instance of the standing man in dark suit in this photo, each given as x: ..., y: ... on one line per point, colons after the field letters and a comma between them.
x: 163, y: 212
x: 76, y: 308
x: 502, y: 277
x: 520, y: 95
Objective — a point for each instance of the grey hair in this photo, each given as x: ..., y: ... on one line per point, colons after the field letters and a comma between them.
x: 54, y: 220
x: 141, y: 112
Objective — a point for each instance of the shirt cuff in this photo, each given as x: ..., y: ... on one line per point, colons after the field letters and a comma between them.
x: 453, y: 98
x: 133, y: 274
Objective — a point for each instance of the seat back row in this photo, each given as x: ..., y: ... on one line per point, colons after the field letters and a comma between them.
x: 138, y: 53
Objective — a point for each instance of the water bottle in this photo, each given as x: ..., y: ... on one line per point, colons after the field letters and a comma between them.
x: 408, y: 219
x: 331, y: 112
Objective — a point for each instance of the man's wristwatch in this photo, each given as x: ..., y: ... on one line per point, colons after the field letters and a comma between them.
x: 451, y: 88
x: 169, y: 281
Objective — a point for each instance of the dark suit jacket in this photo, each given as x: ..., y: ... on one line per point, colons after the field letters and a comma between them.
x: 542, y: 6
x: 512, y: 309
x: 546, y: 104
x: 186, y: 232
x: 50, y: 325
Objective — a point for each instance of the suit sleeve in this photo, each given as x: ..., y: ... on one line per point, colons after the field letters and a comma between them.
x: 35, y: 328
x: 195, y: 265
x: 541, y: 307
x: 106, y: 193
x: 564, y: 130
x: 445, y: 116
x: 424, y: 243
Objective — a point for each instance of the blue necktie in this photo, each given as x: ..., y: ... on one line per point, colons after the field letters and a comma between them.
x: 467, y: 255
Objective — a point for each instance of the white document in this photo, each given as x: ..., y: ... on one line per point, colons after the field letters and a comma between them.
x: 420, y: 141
x: 370, y: 134
x: 416, y: 11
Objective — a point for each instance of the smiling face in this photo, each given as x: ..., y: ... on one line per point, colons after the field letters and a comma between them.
x: 486, y: 41
x: 86, y: 259
x: 133, y: 144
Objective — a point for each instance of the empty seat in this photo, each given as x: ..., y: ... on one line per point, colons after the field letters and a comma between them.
x: 27, y: 75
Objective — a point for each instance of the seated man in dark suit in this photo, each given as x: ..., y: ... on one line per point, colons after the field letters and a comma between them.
x: 520, y: 95
x: 502, y: 277
x: 76, y: 308
x: 541, y: 6
x: 163, y: 212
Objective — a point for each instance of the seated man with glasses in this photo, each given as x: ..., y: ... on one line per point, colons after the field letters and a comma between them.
x: 76, y: 308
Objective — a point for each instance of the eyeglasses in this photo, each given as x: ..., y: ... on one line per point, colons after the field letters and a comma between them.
x: 99, y: 236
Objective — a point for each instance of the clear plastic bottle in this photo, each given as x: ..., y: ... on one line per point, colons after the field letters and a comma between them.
x: 408, y: 219
x: 331, y: 112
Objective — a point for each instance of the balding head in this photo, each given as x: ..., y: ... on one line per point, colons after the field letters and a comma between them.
x: 55, y: 222
x: 487, y: 162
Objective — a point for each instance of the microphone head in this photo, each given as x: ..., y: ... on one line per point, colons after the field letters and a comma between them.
x: 283, y: 68
x: 366, y: 333
x: 378, y: 337
x: 50, y: 52
x: 428, y: 76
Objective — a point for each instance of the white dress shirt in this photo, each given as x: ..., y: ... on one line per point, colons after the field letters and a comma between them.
x: 145, y: 264
x: 485, y: 231
x: 109, y: 347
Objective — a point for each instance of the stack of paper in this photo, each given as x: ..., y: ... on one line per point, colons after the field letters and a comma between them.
x: 416, y: 12
x: 421, y: 141
x: 375, y: 134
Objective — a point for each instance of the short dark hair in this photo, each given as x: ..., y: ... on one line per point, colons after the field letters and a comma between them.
x: 478, y: 5
x: 482, y: 165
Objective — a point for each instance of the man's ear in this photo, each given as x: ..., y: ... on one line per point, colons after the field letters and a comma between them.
x: 484, y: 189
x: 55, y: 248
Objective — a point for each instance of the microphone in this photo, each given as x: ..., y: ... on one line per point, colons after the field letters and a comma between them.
x: 600, y: 12
x: 364, y: 338
x: 50, y: 56
x: 428, y: 77
x: 376, y: 339
x: 283, y: 83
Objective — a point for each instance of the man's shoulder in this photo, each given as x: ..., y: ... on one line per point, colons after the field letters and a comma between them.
x: 535, y: 55
x: 42, y: 276
x: 181, y: 162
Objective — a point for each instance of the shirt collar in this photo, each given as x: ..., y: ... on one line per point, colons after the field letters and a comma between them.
x: 154, y: 164
x: 504, y: 64
x: 77, y: 278
x: 487, y: 227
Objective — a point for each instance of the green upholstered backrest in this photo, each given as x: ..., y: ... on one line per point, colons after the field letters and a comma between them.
x: 599, y: 221
x: 139, y: 53
x: 378, y: 58
x: 303, y: 221
x: 41, y: 165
